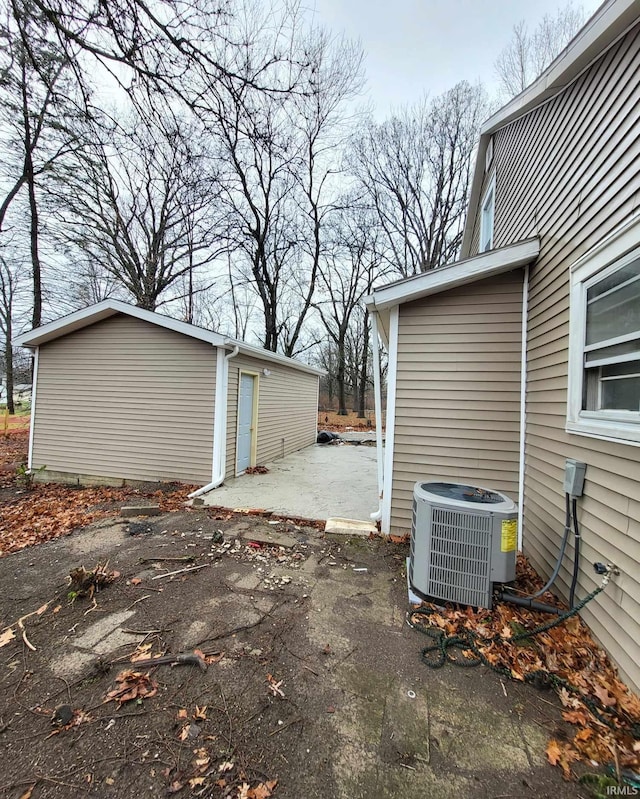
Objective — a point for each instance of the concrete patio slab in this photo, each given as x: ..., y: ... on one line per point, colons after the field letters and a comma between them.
x: 315, y: 483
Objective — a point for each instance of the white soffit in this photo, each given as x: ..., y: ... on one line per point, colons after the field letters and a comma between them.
x: 482, y: 266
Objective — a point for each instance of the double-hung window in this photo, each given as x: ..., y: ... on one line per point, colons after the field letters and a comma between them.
x: 604, y: 369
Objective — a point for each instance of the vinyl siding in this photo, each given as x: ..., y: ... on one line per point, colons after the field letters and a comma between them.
x: 458, y: 390
x: 126, y: 399
x: 287, y: 410
x: 569, y: 172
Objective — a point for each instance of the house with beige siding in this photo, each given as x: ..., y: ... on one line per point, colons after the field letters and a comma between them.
x: 121, y: 395
x: 526, y: 351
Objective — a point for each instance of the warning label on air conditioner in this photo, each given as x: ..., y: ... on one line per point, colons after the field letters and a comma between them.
x: 509, y: 535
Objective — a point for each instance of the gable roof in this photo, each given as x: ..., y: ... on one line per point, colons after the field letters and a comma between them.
x: 609, y: 23
x: 107, y: 308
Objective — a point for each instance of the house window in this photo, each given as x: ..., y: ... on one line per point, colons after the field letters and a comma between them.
x: 488, y: 158
x: 486, y: 218
x: 604, y: 373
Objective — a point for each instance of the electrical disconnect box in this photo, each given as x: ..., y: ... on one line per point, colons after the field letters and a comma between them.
x: 574, y: 477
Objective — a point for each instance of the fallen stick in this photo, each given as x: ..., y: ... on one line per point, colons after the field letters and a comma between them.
x: 188, y: 659
x: 179, y: 571
x: 185, y: 558
x: 38, y: 612
x: 284, y: 726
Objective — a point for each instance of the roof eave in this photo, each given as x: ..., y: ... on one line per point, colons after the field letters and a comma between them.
x: 602, y: 30
x: 444, y: 278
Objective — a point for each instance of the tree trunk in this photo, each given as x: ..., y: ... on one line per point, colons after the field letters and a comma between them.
x: 341, y: 379
x: 36, y: 268
x: 8, y: 366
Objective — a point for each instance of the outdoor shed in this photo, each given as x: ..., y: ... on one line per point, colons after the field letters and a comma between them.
x: 121, y: 394
x: 526, y: 352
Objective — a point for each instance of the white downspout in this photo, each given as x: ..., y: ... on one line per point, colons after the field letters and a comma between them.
x: 377, y: 393
x: 219, y: 421
x: 523, y: 403
x: 32, y: 422
x: 394, y: 317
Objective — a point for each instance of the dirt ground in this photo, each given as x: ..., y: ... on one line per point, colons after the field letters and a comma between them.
x: 330, y: 420
x: 313, y: 688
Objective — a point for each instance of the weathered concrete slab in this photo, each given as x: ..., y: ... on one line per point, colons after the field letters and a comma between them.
x: 269, y: 537
x: 349, y: 527
x: 101, y: 629
x: 140, y: 510
x: 315, y: 483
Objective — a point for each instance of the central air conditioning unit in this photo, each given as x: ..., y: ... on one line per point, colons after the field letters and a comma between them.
x: 463, y: 539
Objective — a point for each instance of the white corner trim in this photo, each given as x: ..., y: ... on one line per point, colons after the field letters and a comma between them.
x: 392, y: 374
x: 219, y: 413
x: 32, y: 417
x: 523, y: 405
x: 377, y: 396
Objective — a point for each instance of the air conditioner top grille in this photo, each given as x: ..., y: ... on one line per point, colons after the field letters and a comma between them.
x: 464, y: 496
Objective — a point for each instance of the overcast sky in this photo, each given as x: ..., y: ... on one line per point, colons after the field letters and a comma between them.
x: 418, y: 46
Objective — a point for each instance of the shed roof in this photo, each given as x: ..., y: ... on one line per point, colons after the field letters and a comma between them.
x: 107, y: 308
x: 609, y: 23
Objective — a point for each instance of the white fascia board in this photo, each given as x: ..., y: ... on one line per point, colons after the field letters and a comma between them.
x: 273, y: 357
x: 103, y: 310
x: 611, y: 21
x: 487, y: 264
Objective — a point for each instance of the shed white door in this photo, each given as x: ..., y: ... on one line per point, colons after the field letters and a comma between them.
x: 246, y: 422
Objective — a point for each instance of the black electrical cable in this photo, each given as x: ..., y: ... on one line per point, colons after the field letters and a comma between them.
x: 576, y: 551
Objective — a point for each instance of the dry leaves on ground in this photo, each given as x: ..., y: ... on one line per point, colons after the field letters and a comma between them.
x: 564, y: 653
x: 51, y: 510
x: 132, y: 685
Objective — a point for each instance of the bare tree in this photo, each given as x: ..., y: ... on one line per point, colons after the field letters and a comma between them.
x: 529, y: 53
x: 37, y: 111
x: 415, y: 169
x: 137, y: 203
x: 282, y: 151
x: 346, y: 275
x: 190, y: 50
x: 9, y: 284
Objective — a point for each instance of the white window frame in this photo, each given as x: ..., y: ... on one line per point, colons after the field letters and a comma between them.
x: 616, y: 251
x: 488, y: 158
x: 486, y: 242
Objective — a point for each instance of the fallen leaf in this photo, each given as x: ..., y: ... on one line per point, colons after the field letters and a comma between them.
x: 175, y: 786
x: 182, y: 714
x: 136, y: 581
x: 200, y: 713
x: 195, y: 782
x: 604, y: 696
x: 553, y: 752
x: 264, y: 790
x: 109, y: 780
x: 226, y: 766
x: 28, y: 792
x: 6, y: 636
x: 243, y: 791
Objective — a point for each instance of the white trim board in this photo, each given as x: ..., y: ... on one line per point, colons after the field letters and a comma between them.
x: 487, y: 264
x: 392, y: 373
x: 107, y: 308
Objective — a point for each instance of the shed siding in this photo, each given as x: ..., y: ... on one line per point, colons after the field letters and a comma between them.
x: 287, y: 410
x: 124, y: 398
x: 458, y: 390
x: 569, y: 172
